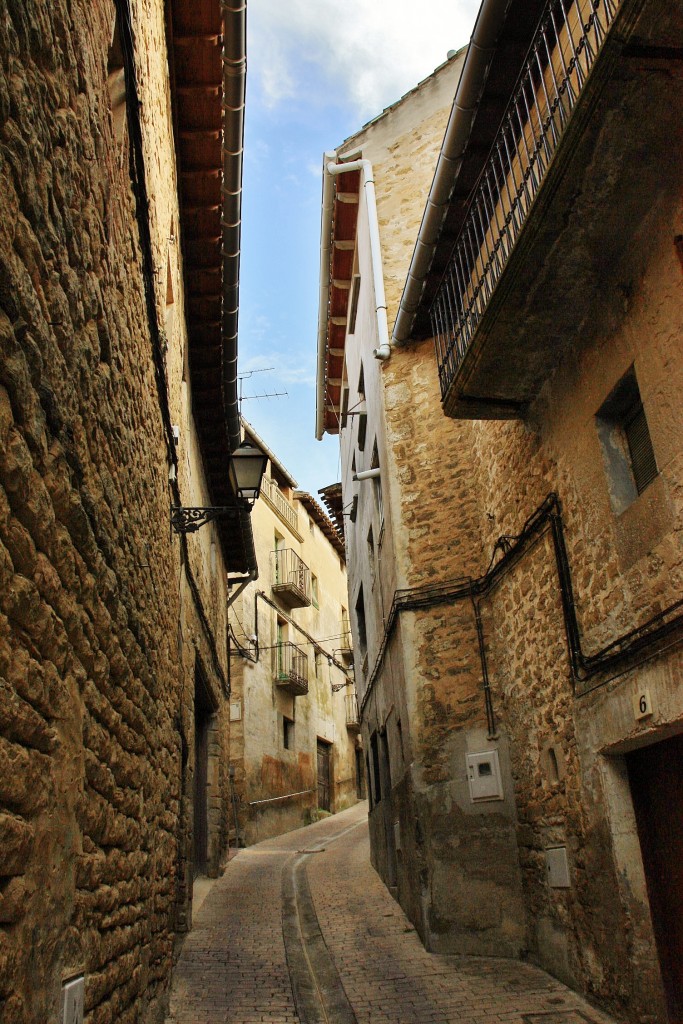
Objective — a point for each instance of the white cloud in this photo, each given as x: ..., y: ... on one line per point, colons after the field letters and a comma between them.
x: 369, y: 51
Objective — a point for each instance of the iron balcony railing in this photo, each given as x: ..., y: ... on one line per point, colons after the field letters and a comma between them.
x: 291, y: 577
x: 352, y: 714
x: 290, y: 668
x: 566, y: 45
x: 345, y: 641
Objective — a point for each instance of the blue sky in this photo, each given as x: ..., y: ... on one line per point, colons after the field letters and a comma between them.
x: 317, y: 71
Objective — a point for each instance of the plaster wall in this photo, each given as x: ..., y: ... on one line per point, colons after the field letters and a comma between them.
x: 277, y: 787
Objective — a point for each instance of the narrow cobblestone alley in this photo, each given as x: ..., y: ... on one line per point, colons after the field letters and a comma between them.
x: 300, y: 928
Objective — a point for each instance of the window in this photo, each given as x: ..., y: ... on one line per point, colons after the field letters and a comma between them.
x: 371, y: 554
x: 362, y: 430
x: 361, y: 383
x: 281, y: 639
x: 287, y: 733
x: 627, y: 450
x: 344, y: 411
x: 377, y: 481
x: 279, y: 543
x: 360, y: 619
x: 314, y: 591
x: 353, y: 303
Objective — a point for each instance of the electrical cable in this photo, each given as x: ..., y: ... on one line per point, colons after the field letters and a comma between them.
x: 583, y: 666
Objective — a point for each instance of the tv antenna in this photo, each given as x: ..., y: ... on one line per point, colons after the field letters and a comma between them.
x: 266, y: 394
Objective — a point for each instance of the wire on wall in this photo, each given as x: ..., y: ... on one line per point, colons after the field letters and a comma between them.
x: 630, y: 648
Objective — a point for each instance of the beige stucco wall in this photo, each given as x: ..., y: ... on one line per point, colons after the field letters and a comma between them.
x: 264, y: 768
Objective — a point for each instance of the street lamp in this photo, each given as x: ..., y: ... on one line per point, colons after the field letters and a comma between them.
x: 245, y: 471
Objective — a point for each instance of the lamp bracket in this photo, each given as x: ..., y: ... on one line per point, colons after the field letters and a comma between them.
x: 190, y: 519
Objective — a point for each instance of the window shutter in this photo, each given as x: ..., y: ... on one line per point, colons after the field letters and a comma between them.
x: 640, y: 447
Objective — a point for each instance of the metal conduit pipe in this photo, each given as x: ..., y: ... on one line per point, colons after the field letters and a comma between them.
x: 234, y: 17
x: 482, y: 46
x: 330, y: 169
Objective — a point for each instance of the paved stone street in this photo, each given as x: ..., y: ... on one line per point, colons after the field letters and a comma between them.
x: 300, y: 928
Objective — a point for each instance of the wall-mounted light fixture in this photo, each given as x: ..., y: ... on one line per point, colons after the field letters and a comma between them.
x: 245, y: 471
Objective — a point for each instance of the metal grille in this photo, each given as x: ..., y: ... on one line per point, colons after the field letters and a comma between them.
x: 291, y: 574
x: 643, y: 462
x: 291, y: 664
x: 564, y: 49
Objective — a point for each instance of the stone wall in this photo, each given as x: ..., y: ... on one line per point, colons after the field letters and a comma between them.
x: 474, y: 878
x: 99, y: 633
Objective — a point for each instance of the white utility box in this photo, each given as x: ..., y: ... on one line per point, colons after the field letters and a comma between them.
x: 73, y: 992
x: 483, y: 775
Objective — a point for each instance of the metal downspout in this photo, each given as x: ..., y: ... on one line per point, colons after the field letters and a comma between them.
x: 482, y: 46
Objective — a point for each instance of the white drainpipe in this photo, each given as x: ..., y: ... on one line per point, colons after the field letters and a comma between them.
x: 332, y: 168
x: 368, y: 474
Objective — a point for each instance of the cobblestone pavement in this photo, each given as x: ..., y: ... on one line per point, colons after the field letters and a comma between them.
x: 301, y: 929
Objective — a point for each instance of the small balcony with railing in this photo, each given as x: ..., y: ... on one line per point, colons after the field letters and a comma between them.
x: 291, y: 578
x: 559, y: 202
x: 290, y: 668
x: 352, y: 713
x: 274, y: 497
x: 345, y: 640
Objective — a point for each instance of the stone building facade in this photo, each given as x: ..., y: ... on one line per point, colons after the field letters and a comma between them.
x: 295, y: 741
x: 114, y: 671
x: 515, y: 564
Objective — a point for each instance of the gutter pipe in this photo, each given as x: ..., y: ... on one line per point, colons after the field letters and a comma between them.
x: 330, y: 169
x: 234, y: 18
x: 482, y: 46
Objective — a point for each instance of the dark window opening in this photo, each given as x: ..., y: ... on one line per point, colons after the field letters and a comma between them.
x: 626, y: 443
x: 287, y: 733
x: 376, y: 775
x: 360, y: 619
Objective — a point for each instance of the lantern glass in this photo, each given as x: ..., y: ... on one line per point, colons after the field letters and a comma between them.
x: 246, y: 469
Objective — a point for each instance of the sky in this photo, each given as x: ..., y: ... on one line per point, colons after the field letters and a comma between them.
x: 317, y: 70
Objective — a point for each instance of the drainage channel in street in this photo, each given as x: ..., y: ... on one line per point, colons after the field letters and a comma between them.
x: 318, y: 992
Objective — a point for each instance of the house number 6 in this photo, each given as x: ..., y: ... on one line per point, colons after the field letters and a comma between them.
x: 642, y: 705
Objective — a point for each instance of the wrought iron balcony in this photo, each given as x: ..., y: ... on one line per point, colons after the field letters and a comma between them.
x: 352, y: 714
x: 345, y: 641
x: 290, y: 668
x: 564, y: 52
x: 291, y: 578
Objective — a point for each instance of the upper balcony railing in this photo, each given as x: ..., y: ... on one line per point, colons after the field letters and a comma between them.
x: 291, y: 578
x: 345, y: 640
x: 566, y: 45
x: 272, y: 493
x: 352, y: 713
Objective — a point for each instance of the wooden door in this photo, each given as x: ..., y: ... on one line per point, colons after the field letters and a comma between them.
x: 656, y: 778
x: 323, y: 776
